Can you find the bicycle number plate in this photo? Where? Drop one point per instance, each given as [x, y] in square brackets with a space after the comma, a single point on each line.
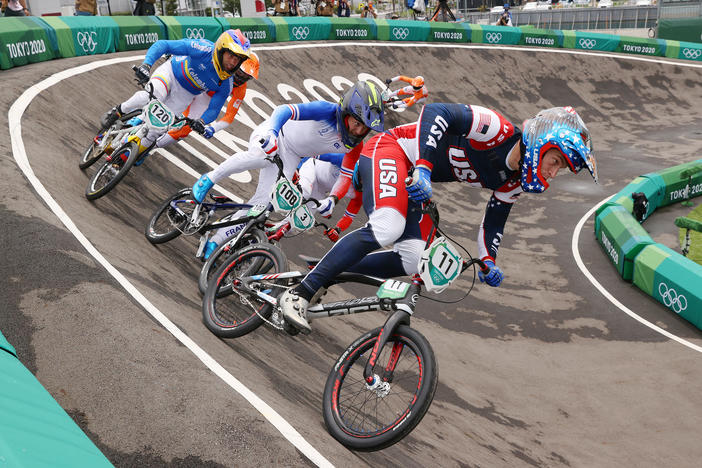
[440, 265]
[256, 210]
[285, 197]
[158, 115]
[392, 289]
[302, 219]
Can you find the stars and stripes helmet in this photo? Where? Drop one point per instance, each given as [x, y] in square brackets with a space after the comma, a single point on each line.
[560, 128]
[363, 102]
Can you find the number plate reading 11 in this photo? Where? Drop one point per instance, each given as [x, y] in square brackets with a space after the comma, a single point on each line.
[440, 265]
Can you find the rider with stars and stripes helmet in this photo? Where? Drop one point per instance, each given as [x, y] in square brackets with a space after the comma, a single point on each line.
[560, 128]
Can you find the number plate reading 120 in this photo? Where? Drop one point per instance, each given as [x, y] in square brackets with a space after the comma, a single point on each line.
[440, 265]
[285, 196]
[159, 116]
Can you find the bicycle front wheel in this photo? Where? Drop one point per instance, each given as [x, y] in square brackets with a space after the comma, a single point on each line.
[366, 418]
[112, 172]
[229, 312]
[224, 251]
[167, 223]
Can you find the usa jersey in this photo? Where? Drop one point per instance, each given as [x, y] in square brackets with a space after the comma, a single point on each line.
[468, 144]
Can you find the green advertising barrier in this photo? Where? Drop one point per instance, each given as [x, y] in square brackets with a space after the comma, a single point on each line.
[683, 50]
[491, 34]
[354, 29]
[138, 32]
[258, 30]
[651, 185]
[192, 27]
[681, 29]
[641, 46]
[84, 35]
[621, 237]
[590, 41]
[301, 29]
[681, 182]
[541, 37]
[449, 32]
[25, 40]
[672, 280]
[402, 30]
[34, 429]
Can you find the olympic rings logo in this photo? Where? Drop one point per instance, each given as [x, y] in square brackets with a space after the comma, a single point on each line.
[691, 53]
[86, 40]
[587, 43]
[493, 38]
[195, 33]
[300, 32]
[400, 33]
[671, 299]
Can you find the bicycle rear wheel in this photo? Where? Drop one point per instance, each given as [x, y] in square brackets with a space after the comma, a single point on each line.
[230, 313]
[92, 153]
[112, 172]
[367, 419]
[166, 223]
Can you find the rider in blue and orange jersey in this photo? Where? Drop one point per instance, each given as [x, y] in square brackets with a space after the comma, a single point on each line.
[449, 142]
[196, 66]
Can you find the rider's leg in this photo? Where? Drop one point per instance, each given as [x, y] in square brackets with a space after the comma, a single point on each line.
[195, 110]
[385, 202]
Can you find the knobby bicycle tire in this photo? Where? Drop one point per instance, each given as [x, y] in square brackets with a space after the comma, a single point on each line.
[223, 312]
[90, 156]
[165, 212]
[390, 416]
[122, 167]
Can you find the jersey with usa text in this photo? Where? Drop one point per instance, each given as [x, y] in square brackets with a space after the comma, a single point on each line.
[194, 71]
[468, 144]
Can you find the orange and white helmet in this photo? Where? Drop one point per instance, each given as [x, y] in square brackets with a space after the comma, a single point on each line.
[417, 82]
[248, 70]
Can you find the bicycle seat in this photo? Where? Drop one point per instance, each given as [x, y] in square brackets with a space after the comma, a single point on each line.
[220, 198]
[311, 261]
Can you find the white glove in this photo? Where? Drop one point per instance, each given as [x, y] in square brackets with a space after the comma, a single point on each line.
[269, 143]
[326, 206]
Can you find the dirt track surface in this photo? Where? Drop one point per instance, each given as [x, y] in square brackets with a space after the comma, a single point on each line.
[544, 371]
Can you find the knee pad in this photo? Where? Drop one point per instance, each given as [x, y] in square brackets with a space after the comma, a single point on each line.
[387, 225]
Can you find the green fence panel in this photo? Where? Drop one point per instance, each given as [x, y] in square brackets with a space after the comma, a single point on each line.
[651, 185]
[683, 50]
[353, 29]
[138, 32]
[25, 40]
[621, 237]
[641, 46]
[448, 32]
[491, 34]
[541, 37]
[681, 182]
[34, 429]
[402, 30]
[672, 280]
[84, 35]
[590, 41]
[681, 29]
[192, 27]
[258, 30]
[302, 29]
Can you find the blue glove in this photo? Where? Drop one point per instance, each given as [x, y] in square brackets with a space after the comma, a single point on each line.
[209, 131]
[419, 189]
[493, 277]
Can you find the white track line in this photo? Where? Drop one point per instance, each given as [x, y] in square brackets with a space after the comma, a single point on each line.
[15, 117]
[606, 294]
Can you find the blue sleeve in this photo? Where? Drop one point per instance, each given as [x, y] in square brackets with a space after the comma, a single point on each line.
[334, 158]
[316, 110]
[216, 104]
[496, 214]
[436, 122]
[179, 47]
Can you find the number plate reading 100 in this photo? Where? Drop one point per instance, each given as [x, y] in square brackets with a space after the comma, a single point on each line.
[286, 196]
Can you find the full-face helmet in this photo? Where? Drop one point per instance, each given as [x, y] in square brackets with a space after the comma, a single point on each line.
[560, 128]
[417, 82]
[236, 43]
[249, 69]
[364, 103]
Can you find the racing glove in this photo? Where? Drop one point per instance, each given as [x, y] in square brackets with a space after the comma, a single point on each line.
[493, 277]
[143, 73]
[209, 131]
[419, 184]
[333, 233]
[326, 206]
[198, 125]
[269, 143]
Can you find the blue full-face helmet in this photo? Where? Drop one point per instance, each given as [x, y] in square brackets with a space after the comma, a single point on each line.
[560, 128]
[364, 103]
